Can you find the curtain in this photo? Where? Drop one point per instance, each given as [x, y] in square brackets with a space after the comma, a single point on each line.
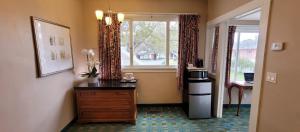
[231, 31]
[188, 44]
[215, 51]
[109, 49]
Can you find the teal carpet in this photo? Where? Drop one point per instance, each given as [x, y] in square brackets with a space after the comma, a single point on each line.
[172, 119]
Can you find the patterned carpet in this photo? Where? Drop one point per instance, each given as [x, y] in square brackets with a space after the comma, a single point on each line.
[172, 119]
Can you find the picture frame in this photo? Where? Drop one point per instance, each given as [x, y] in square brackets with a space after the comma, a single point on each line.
[53, 48]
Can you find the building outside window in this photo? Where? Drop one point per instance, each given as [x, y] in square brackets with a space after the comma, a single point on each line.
[244, 52]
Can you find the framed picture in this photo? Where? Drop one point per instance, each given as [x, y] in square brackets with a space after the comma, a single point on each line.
[53, 48]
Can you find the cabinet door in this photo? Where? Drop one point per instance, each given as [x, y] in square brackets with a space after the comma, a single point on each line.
[199, 106]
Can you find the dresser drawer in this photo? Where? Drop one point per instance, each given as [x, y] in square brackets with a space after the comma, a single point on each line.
[99, 99]
[99, 104]
[108, 114]
[104, 94]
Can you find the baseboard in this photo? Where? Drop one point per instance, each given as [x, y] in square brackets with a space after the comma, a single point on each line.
[72, 122]
[236, 105]
[159, 105]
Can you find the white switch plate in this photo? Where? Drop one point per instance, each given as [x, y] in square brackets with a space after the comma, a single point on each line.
[277, 46]
[271, 77]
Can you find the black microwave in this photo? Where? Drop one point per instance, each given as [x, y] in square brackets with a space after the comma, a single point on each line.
[197, 74]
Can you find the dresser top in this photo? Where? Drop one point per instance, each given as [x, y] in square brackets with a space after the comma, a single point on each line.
[106, 85]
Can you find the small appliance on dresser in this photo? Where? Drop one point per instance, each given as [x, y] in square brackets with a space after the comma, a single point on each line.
[197, 93]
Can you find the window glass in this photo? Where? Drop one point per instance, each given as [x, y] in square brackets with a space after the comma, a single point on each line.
[244, 54]
[173, 41]
[234, 57]
[149, 43]
[125, 41]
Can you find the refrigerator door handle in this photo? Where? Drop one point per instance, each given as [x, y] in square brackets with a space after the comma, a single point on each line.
[202, 94]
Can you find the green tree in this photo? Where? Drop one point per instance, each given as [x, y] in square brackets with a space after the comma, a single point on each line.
[150, 36]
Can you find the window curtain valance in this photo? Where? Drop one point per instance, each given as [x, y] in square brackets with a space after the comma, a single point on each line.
[109, 49]
[188, 44]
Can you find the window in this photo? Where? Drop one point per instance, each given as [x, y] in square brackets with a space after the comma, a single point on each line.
[243, 53]
[149, 42]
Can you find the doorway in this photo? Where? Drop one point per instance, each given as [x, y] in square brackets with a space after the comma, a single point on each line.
[223, 22]
[241, 62]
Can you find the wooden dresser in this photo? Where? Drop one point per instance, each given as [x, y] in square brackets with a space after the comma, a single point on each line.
[107, 101]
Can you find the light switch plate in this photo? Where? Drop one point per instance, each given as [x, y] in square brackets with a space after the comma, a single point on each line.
[271, 77]
[277, 46]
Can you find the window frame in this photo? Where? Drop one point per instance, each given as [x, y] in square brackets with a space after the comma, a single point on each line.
[239, 30]
[158, 18]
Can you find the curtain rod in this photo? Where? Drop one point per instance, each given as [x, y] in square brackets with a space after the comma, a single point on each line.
[148, 13]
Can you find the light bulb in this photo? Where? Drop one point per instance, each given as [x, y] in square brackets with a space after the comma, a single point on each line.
[121, 17]
[99, 14]
[108, 20]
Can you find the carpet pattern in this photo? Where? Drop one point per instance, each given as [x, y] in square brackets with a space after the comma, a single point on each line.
[172, 119]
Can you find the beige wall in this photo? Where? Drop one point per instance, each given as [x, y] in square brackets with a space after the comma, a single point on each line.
[30, 104]
[157, 87]
[163, 82]
[219, 7]
[279, 110]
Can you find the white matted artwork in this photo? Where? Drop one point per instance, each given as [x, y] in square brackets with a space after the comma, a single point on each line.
[52, 46]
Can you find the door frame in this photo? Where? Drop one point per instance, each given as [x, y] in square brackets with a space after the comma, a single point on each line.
[223, 22]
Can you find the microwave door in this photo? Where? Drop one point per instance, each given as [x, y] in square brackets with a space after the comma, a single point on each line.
[195, 74]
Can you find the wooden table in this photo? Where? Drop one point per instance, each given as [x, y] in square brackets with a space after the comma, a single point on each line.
[241, 85]
[106, 101]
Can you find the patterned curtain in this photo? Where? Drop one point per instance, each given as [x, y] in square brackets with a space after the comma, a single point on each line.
[109, 49]
[215, 51]
[188, 44]
[231, 32]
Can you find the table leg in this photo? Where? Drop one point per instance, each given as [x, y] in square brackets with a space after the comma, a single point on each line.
[229, 95]
[241, 93]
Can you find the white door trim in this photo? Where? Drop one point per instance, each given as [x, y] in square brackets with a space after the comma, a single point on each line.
[264, 6]
[223, 37]
[250, 6]
[254, 112]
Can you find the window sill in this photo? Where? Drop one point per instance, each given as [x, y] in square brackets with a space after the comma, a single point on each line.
[149, 69]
